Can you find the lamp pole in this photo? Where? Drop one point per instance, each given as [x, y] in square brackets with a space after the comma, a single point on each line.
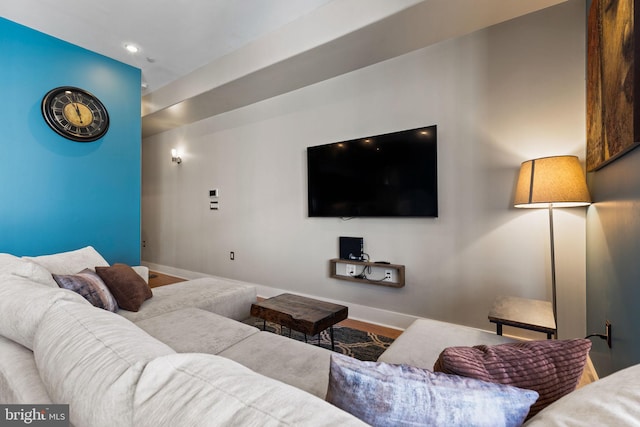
[553, 270]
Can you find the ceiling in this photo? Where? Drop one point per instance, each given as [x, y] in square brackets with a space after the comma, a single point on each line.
[175, 37]
[200, 58]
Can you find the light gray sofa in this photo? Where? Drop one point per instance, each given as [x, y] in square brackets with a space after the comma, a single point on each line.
[57, 348]
[183, 359]
[229, 298]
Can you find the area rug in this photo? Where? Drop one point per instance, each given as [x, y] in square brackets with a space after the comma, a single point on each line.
[361, 345]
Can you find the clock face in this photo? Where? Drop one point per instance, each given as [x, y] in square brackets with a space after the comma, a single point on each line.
[75, 114]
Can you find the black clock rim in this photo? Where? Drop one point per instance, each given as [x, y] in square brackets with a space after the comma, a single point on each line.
[53, 124]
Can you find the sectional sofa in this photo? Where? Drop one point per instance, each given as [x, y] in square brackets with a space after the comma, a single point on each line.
[183, 358]
[58, 348]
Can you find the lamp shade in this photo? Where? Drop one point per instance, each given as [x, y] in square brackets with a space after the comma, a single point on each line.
[557, 181]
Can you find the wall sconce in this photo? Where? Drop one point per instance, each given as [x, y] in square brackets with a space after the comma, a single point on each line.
[174, 156]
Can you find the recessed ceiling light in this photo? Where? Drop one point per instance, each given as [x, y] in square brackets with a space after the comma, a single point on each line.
[131, 48]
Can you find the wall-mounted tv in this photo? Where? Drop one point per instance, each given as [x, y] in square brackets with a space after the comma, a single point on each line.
[390, 175]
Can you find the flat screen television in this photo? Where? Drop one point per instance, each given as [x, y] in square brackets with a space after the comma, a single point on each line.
[390, 175]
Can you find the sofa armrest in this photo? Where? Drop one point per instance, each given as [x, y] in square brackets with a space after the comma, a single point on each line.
[422, 342]
[143, 271]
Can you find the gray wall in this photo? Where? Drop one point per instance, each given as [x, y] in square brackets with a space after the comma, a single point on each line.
[499, 96]
[613, 269]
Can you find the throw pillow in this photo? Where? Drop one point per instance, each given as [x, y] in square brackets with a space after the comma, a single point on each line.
[70, 262]
[28, 269]
[381, 394]
[552, 367]
[129, 289]
[88, 284]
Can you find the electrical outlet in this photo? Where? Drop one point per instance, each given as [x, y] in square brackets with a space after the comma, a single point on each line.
[388, 275]
[607, 326]
[351, 270]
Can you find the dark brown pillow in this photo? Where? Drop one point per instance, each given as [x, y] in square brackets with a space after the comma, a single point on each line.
[552, 367]
[129, 289]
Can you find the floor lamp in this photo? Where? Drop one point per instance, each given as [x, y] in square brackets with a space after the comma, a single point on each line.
[551, 182]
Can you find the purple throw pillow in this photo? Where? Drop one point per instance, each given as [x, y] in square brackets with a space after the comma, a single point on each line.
[551, 367]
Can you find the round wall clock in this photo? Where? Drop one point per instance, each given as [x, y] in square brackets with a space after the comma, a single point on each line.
[75, 114]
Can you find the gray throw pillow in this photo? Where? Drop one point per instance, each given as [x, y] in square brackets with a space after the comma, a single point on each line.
[381, 394]
[88, 284]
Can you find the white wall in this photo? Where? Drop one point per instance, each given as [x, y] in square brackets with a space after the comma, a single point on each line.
[499, 96]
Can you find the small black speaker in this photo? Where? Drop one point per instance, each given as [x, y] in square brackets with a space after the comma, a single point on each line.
[351, 248]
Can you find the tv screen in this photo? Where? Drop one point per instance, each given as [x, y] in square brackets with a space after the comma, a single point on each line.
[390, 175]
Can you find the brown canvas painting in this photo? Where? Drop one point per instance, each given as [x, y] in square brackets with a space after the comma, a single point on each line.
[612, 115]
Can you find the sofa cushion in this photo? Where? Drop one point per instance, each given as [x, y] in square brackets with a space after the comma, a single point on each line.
[551, 367]
[226, 297]
[19, 378]
[88, 284]
[387, 395]
[610, 401]
[423, 341]
[92, 360]
[192, 330]
[293, 362]
[23, 303]
[129, 289]
[70, 262]
[10, 264]
[204, 390]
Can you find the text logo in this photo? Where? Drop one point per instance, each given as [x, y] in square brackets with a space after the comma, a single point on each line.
[34, 415]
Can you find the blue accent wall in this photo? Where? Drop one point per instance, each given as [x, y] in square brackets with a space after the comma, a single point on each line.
[57, 194]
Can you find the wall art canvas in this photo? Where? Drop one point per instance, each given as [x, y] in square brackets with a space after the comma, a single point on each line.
[613, 117]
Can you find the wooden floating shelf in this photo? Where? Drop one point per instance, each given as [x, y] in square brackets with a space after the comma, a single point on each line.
[399, 283]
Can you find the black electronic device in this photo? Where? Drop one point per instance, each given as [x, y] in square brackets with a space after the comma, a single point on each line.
[390, 175]
[351, 248]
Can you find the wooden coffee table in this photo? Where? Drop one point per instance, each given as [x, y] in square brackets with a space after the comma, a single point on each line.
[302, 314]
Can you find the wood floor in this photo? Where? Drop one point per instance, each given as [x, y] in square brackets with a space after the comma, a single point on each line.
[158, 279]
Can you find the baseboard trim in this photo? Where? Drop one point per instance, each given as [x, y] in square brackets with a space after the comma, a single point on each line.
[376, 316]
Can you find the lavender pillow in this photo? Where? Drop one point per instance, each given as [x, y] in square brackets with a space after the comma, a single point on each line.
[88, 284]
[381, 394]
